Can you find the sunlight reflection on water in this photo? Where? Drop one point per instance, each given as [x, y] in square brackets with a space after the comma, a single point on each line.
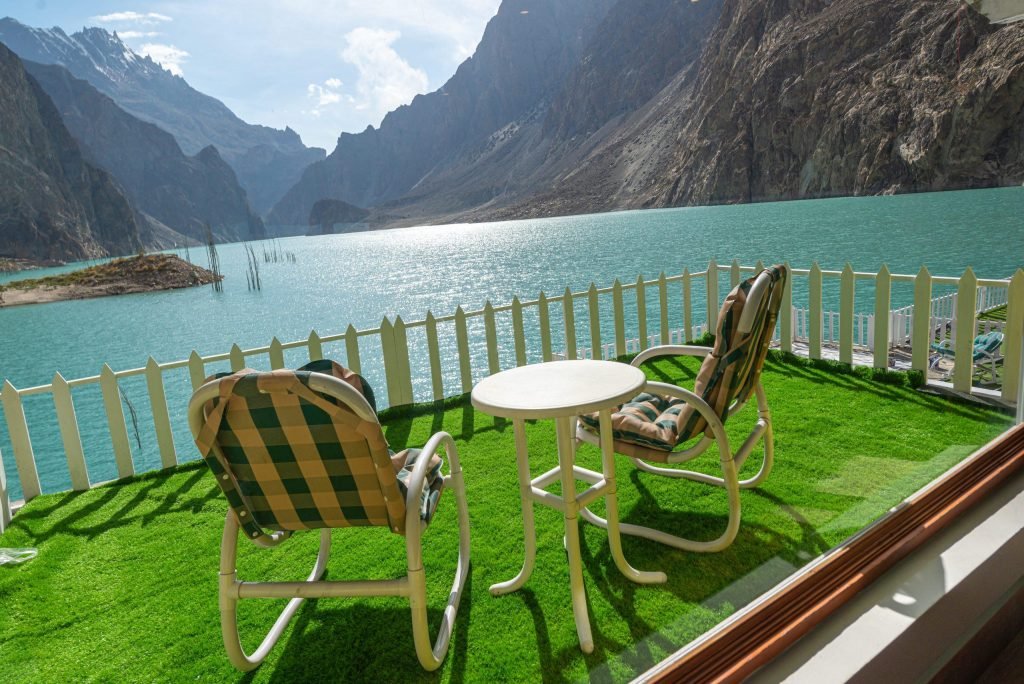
[359, 278]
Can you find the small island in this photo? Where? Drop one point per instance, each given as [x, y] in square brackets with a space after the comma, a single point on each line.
[143, 273]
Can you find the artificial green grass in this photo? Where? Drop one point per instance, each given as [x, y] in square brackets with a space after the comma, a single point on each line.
[996, 314]
[125, 585]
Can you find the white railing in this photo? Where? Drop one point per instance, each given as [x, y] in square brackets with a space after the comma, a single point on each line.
[942, 321]
[942, 312]
[458, 349]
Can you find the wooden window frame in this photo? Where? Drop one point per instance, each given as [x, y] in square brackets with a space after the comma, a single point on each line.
[757, 634]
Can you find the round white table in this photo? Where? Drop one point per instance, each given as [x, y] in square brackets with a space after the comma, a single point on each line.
[562, 390]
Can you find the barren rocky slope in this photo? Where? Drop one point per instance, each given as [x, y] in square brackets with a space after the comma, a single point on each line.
[639, 48]
[807, 98]
[53, 204]
[184, 193]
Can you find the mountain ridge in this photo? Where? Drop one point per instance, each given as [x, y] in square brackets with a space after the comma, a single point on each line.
[267, 161]
[185, 193]
[53, 204]
[526, 50]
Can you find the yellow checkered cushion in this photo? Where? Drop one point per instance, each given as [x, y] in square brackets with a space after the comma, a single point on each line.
[289, 458]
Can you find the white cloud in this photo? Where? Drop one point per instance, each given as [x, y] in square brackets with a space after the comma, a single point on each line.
[386, 81]
[170, 57]
[131, 35]
[133, 17]
[261, 67]
[324, 95]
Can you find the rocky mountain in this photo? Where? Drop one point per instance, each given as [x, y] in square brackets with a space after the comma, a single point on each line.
[629, 61]
[53, 204]
[632, 55]
[523, 58]
[653, 103]
[267, 161]
[810, 98]
[328, 213]
[183, 193]
[851, 97]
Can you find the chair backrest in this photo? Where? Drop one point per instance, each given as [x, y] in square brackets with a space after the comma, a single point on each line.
[296, 450]
[986, 345]
[746, 323]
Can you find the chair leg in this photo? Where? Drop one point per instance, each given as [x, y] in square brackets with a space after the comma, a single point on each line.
[762, 431]
[229, 598]
[432, 655]
[731, 484]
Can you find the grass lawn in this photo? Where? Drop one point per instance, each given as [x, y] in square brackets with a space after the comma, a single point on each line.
[125, 584]
[996, 314]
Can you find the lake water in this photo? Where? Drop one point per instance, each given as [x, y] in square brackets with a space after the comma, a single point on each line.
[360, 278]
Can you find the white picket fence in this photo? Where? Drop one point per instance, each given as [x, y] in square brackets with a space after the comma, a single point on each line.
[453, 359]
[942, 320]
[942, 313]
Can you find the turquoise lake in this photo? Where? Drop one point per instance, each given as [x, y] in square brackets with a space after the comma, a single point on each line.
[359, 278]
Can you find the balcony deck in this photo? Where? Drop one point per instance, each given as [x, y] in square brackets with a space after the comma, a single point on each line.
[125, 584]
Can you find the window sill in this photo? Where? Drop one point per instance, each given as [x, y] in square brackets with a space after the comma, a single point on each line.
[910, 621]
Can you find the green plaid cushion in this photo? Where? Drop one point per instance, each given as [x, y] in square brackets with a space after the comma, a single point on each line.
[287, 458]
[631, 420]
[650, 426]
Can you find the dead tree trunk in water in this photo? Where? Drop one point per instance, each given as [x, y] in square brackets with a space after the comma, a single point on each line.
[211, 253]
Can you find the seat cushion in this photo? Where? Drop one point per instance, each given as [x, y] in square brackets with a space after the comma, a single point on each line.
[649, 420]
[404, 462]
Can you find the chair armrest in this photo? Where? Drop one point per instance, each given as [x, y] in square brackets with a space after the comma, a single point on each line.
[703, 408]
[413, 523]
[419, 472]
[670, 350]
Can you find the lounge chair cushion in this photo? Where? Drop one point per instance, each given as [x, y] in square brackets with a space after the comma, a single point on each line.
[648, 420]
[651, 426]
[984, 348]
[290, 458]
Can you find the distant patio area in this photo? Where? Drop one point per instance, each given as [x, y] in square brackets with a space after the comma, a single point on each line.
[125, 584]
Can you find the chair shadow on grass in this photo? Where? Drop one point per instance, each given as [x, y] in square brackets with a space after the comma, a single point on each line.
[849, 381]
[398, 430]
[343, 639]
[181, 499]
[696, 578]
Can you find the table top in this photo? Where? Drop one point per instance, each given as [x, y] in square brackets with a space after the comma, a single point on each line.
[557, 388]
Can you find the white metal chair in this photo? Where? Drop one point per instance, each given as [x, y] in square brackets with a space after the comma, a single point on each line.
[304, 450]
[985, 355]
[665, 416]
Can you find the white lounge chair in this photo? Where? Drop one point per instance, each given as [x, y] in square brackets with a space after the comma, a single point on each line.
[298, 450]
[649, 428]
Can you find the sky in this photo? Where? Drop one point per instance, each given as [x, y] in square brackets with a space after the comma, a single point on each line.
[319, 66]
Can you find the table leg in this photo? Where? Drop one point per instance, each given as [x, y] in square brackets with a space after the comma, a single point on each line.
[565, 430]
[612, 505]
[530, 532]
